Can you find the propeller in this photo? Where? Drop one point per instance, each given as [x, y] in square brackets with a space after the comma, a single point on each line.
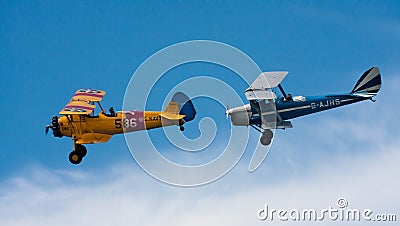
[227, 112]
[47, 129]
[54, 127]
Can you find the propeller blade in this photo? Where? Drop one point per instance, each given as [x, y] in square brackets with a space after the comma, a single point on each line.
[47, 129]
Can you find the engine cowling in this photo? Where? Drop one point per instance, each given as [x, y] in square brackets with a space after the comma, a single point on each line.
[240, 116]
[55, 127]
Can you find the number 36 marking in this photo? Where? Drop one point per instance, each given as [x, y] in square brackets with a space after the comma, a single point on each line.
[127, 123]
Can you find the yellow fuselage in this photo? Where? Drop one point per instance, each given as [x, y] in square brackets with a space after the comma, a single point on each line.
[94, 129]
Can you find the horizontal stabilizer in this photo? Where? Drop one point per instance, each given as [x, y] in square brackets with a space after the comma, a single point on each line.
[171, 116]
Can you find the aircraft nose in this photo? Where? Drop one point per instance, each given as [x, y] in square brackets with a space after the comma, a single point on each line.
[228, 112]
[55, 127]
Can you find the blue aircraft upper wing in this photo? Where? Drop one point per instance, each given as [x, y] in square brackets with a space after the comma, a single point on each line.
[267, 80]
[260, 91]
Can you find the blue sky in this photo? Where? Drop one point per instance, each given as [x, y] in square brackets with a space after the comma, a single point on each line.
[50, 49]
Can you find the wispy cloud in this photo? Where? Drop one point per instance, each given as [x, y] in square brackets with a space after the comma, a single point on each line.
[124, 195]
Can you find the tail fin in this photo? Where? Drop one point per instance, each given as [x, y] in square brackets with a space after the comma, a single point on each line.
[185, 106]
[369, 84]
[171, 112]
[172, 108]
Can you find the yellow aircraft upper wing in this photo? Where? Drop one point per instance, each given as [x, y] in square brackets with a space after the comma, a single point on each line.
[91, 95]
[80, 102]
[75, 107]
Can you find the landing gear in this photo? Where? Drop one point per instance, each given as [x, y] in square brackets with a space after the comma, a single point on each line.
[182, 128]
[76, 156]
[82, 151]
[266, 138]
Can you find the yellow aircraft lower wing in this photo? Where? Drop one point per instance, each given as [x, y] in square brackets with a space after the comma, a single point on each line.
[93, 138]
[77, 108]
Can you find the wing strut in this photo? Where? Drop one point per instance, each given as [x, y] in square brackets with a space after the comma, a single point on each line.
[259, 130]
[282, 91]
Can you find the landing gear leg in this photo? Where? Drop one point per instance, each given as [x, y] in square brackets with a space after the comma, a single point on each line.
[266, 138]
[181, 122]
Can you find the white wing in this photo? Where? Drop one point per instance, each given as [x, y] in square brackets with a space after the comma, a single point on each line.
[267, 80]
[260, 91]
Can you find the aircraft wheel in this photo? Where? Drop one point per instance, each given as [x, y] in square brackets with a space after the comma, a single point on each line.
[82, 151]
[182, 128]
[75, 158]
[266, 138]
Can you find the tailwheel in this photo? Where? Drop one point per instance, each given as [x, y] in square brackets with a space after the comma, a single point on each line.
[266, 138]
[75, 157]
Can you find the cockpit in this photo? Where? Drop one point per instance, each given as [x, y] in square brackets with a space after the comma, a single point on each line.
[289, 98]
[111, 112]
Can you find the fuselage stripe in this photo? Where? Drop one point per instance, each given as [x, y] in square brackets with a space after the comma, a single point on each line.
[77, 106]
[89, 94]
[341, 101]
[284, 110]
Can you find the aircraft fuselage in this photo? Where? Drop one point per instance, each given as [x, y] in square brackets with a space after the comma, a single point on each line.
[122, 122]
[246, 115]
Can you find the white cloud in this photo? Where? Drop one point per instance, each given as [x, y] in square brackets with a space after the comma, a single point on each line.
[127, 196]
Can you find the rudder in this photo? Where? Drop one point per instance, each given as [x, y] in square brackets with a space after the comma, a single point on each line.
[369, 83]
[186, 106]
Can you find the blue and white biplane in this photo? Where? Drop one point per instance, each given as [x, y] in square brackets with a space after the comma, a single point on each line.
[266, 111]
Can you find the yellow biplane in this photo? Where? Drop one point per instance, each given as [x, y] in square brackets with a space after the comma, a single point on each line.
[79, 121]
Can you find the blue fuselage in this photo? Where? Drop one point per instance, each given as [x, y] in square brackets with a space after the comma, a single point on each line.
[309, 105]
